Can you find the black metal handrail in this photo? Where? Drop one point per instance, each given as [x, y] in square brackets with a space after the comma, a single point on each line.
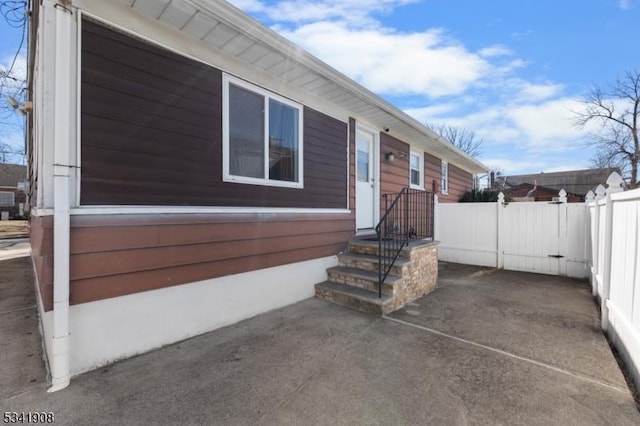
[408, 215]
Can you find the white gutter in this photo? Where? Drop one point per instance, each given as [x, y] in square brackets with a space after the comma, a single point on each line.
[59, 360]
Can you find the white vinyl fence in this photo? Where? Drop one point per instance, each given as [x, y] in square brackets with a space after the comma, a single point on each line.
[542, 237]
[615, 266]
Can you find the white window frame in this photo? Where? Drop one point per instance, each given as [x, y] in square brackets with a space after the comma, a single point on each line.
[420, 156]
[226, 175]
[444, 178]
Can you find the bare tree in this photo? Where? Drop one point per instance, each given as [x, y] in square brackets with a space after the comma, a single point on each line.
[463, 139]
[616, 109]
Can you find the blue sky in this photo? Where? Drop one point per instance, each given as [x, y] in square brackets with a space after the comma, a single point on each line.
[512, 71]
[11, 123]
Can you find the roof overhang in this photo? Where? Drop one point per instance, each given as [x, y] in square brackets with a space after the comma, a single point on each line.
[230, 32]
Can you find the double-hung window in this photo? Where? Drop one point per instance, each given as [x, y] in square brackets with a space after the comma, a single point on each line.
[262, 136]
[416, 170]
[444, 178]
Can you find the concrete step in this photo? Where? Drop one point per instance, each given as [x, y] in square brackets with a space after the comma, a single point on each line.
[354, 297]
[370, 263]
[367, 280]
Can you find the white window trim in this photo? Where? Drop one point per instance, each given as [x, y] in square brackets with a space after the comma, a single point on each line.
[420, 155]
[444, 178]
[226, 175]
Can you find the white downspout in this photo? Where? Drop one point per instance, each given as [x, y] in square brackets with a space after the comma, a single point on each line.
[59, 362]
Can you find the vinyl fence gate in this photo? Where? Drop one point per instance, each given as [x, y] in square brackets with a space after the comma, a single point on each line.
[542, 237]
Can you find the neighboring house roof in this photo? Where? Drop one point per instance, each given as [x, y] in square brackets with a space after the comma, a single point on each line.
[537, 193]
[575, 181]
[11, 174]
[233, 33]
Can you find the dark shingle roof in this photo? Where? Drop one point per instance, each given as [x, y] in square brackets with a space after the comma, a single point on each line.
[11, 174]
[575, 181]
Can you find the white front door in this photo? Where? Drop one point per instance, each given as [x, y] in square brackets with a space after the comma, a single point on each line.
[365, 179]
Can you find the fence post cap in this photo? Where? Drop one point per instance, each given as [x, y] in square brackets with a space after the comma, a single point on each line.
[614, 183]
[563, 196]
[500, 198]
[590, 196]
[600, 192]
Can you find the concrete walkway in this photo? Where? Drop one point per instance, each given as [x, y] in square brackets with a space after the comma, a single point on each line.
[486, 347]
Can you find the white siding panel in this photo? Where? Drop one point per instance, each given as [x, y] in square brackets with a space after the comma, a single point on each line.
[468, 233]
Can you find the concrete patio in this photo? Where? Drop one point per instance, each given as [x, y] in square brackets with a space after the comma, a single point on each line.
[486, 347]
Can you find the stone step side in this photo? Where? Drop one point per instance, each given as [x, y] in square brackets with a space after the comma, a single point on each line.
[370, 263]
[354, 297]
[371, 248]
[367, 280]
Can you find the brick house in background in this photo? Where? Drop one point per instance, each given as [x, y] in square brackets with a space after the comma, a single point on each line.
[575, 182]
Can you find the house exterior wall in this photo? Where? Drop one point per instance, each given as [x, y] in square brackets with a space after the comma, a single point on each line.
[133, 153]
[394, 175]
[158, 118]
[459, 183]
[432, 173]
[160, 247]
[41, 238]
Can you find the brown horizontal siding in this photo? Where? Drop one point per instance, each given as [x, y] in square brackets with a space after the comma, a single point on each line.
[41, 237]
[432, 167]
[124, 254]
[156, 118]
[460, 182]
[92, 289]
[394, 175]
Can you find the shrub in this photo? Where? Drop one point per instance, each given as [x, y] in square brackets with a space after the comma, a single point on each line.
[482, 196]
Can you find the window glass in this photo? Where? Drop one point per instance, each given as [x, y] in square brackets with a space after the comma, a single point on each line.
[283, 142]
[262, 136]
[246, 133]
[362, 159]
[416, 175]
[444, 173]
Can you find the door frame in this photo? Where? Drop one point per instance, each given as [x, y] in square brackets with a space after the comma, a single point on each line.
[376, 174]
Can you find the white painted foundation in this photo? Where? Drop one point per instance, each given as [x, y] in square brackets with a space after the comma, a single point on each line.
[120, 327]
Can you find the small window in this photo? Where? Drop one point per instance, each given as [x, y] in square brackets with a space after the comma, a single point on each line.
[444, 176]
[262, 136]
[416, 167]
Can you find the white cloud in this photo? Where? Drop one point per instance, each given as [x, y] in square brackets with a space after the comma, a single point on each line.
[495, 50]
[358, 12]
[512, 166]
[389, 62]
[546, 122]
[527, 125]
[19, 70]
